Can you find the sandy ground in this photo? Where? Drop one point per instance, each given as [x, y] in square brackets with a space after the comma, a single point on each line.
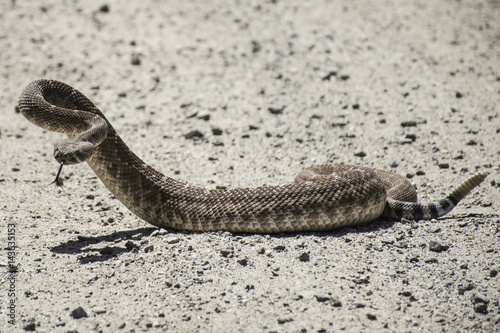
[340, 77]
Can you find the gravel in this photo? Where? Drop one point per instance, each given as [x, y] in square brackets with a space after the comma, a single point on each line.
[271, 87]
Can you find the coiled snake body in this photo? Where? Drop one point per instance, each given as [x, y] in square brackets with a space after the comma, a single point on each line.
[322, 197]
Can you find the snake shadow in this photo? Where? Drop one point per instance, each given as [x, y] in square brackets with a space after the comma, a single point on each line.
[92, 249]
[85, 246]
[87, 253]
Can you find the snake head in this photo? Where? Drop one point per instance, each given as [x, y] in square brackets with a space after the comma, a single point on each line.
[71, 152]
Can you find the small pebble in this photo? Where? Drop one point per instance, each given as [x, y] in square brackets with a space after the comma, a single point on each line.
[389, 241]
[194, 135]
[304, 257]
[137, 236]
[218, 143]
[282, 321]
[280, 248]
[216, 131]
[328, 73]
[173, 240]
[361, 281]
[471, 143]
[109, 273]
[135, 59]
[276, 109]
[322, 298]
[336, 302]
[431, 260]
[409, 123]
[149, 248]
[480, 298]
[99, 310]
[162, 232]
[360, 154]
[203, 115]
[104, 8]
[78, 313]
[463, 288]
[227, 253]
[437, 247]
[159, 232]
[411, 137]
[131, 245]
[31, 327]
[481, 308]
[256, 47]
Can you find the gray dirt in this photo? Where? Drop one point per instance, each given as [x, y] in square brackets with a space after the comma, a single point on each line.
[247, 93]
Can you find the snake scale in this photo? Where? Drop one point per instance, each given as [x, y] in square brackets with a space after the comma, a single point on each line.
[322, 197]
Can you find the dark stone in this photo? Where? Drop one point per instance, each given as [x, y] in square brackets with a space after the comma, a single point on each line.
[131, 245]
[195, 134]
[104, 8]
[437, 247]
[216, 131]
[78, 313]
[135, 59]
[304, 257]
[462, 289]
[322, 298]
[480, 298]
[412, 137]
[280, 248]
[481, 308]
[409, 123]
[31, 327]
[282, 321]
[227, 253]
[276, 109]
[360, 154]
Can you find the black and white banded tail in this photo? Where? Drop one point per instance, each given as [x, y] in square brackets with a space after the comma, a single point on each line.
[418, 211]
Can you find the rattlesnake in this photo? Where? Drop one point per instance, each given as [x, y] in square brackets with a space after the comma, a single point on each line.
[321, 198]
